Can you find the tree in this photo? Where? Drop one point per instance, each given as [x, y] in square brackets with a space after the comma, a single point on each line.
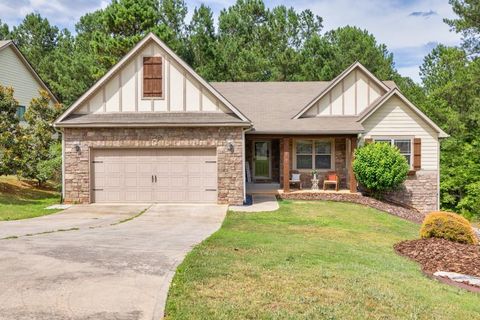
[4, 31]
[36, 38]
[468, 23]
[38, 136]
[201, 42]
[50, 169]
[242, 37]
[349, 44]
[380, 167]
[452, 85]
[9, 130]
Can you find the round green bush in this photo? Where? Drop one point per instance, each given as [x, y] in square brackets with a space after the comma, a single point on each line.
[380, 167]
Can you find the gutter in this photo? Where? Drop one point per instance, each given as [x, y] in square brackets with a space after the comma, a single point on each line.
[148, 125]
[291, 132]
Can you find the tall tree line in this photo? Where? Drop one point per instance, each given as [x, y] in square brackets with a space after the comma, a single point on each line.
[251, 42]
[451, 87]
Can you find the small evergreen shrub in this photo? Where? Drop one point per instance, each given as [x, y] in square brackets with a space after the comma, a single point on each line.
[449, 226]
[380, 167]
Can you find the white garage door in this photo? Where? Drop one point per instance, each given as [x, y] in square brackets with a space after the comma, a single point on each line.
[154, 175]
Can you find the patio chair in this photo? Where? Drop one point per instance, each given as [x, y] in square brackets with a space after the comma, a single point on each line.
[331, 179]
[295, 179]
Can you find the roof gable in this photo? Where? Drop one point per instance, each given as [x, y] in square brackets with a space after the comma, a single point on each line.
[10, 44]
[396, 93]
[189, 86]
[322, 103]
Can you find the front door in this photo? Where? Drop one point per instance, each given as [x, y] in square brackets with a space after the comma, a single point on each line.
[261, 159]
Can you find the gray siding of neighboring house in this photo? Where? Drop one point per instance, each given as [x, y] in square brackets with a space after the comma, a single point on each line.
[14, 73]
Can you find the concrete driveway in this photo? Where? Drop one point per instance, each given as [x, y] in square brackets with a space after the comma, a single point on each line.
[75, 217]
[118, 271]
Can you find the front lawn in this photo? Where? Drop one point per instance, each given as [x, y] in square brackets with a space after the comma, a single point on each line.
[311, 260]
[22, 200]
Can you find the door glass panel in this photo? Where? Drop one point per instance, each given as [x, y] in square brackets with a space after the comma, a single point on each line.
[262, 159]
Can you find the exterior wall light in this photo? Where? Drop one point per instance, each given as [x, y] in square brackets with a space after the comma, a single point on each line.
[230, 146]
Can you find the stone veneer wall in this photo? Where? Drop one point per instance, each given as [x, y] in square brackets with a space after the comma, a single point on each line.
[77, 165]
[419, 191]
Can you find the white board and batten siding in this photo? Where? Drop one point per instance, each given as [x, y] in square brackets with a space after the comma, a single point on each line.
[14, 73]
[395, 119]
[123, 92]
[349, 97]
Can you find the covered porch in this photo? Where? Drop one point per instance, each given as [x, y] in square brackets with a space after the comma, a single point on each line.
[271, 160]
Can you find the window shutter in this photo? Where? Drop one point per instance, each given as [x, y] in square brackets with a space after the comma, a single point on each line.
[368, 140]
[417, 154]
[152, 77]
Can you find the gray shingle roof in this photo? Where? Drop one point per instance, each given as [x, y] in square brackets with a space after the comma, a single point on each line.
[152, 118]
[4, 43]
[272, 105]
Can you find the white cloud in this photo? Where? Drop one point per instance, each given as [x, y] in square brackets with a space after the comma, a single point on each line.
[63, 13]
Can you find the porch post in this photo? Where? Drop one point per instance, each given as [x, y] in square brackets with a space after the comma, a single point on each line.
[286, 164]
[353, 180]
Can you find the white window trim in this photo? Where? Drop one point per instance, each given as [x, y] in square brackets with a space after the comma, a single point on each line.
[145, 55]
[391, 138]
[332, 157]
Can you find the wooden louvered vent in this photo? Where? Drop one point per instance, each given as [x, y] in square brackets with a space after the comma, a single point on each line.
[152, 77]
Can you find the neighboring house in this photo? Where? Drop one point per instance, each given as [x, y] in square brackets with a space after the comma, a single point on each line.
[152, 130]
[16, 72]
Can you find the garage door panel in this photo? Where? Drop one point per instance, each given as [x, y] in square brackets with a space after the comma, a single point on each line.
[183, 175]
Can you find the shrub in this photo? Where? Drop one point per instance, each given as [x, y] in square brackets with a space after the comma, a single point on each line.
[449, 226]
[380, 167]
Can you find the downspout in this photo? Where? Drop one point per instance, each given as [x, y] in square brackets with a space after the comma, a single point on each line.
[244, 159]
[63, 166]
[438, 175]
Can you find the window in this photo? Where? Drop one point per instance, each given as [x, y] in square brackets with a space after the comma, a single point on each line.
[404, 145]
[21, 113]
[152, 77]
[313, 154]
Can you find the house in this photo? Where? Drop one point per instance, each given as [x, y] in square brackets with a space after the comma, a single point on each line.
[152, 130]
[16, 72]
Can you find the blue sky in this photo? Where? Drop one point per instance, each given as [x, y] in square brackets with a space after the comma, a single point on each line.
[409, 28]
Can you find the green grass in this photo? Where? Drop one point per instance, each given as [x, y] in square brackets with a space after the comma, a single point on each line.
[311, 260]
[22, 200]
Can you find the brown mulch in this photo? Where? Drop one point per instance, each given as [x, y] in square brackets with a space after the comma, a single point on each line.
[442, 255]
[402, 212]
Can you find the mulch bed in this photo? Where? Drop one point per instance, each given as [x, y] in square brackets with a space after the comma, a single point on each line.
[442, 255]
[405, 213]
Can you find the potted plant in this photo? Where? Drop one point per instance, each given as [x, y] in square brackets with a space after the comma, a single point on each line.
[314, 174]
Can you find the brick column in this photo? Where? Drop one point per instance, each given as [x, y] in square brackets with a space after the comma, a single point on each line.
[286, 164]
[353, 180]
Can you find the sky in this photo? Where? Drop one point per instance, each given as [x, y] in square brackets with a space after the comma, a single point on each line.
[409, 28]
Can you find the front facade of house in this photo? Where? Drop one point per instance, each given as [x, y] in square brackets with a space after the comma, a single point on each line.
[16, 72]
[152, 130]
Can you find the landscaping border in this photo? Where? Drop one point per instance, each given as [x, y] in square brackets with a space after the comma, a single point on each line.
[402, 212]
